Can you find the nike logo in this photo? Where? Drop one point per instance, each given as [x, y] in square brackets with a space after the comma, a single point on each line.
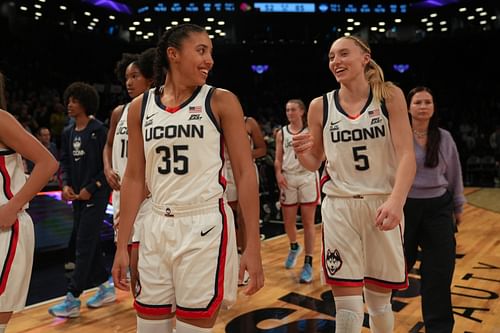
[149, 116]
[204, 233]
[89, 205]
[335, 123]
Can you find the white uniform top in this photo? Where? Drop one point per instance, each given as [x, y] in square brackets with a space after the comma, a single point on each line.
[18, 241]
[291, 164]
[226, 152]
[12, 174]
[359, 152]
[120, 144]
[184, 150]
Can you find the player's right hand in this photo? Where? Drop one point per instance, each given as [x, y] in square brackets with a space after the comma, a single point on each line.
[281, 180]
[9, 216]
[302, 142]
[252, 262]
[112, 178]
[68, 193]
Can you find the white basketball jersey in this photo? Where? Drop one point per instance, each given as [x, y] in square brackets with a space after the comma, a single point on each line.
[226, 154]
[184, 150]
[359, 152]
[120, 144]
[290, 162]
[12, 171]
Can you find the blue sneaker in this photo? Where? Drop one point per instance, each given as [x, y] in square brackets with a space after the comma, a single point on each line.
[291, 260]
[69, 308]
[306, 275]
[105, 294]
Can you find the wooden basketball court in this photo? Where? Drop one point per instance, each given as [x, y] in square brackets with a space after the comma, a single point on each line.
[284, 305]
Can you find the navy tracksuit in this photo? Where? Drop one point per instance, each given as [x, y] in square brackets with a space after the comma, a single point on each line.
[82, 167]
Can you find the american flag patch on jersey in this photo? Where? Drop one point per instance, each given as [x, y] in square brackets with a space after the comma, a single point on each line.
[195, 109]
[373, 113]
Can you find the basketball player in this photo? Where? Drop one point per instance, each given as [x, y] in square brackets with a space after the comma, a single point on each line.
[177, 132]
[298, 187]
[17, 237]
[364, 131]
[136, 72]
[85, 185]
[259, 149]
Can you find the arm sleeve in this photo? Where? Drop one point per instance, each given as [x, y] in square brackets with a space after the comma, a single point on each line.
[454, 175]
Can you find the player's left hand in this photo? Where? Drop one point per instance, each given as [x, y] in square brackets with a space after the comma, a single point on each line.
[84, 194]
[389, 215]
[120, 269]
[252, 263]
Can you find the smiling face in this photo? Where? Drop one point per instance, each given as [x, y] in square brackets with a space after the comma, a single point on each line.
[193, 60]
[421, 106]
[347, 59]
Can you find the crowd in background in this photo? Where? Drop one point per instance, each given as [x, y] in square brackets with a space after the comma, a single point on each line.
[468, 100]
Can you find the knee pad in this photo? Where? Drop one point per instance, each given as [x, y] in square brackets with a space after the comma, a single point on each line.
[349, 314]
[380, 310]
[153, 326]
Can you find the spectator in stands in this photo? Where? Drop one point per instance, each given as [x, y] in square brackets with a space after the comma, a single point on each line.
[495, 145]
[58, 120]
[44, 136]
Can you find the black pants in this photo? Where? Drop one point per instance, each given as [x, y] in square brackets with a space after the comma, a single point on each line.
[429, 224]
[89, 264]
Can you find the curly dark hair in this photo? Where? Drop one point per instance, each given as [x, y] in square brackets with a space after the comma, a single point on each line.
[146, 63]
[86, 95]
[171, 38]
[122, 64]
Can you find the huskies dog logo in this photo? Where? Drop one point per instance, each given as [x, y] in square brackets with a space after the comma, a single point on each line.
[333, 262]
[78, 152]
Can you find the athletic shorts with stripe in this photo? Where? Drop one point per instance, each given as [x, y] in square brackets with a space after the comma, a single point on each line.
[188, 261]
[354, 251]
[16, 254]
[303, 188]
[143, 213]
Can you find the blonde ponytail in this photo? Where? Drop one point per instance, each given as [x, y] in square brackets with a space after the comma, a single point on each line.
[375, 77]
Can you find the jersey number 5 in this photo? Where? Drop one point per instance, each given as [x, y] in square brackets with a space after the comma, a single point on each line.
[173, 156]
[361, 158]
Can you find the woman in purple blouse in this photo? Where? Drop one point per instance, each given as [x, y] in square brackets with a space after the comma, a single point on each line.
[432, 210]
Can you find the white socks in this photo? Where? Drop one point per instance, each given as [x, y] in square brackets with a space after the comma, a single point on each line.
[380, 310]
[182, 327]
[153, 326]
[349, 314]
